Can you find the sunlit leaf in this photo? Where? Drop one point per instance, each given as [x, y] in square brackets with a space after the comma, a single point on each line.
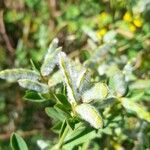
[90, 114]
[50, 59]
[98, 92]
[33, 85]
[83, 81]
[117, 84]
[140, 84]
[69, 78]
[79, 136]
[16, 74]
[135, 108]
[55, 79]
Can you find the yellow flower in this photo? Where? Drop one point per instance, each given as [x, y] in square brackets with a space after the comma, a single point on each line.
[100, 33]
[138, 22]
[104, 15]
[132, 28]
[127, 17]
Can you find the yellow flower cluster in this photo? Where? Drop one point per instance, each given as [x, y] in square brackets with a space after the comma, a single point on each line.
[103, 20]
[133, 22]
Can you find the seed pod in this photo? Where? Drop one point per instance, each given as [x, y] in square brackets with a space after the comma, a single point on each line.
[90, 114]
[98, 92]
[13, 75]
[33, 85]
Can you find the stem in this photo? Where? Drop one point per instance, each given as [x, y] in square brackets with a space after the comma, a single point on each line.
[61, 140]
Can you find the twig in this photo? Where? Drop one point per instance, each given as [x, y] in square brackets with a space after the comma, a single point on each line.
[4, 34]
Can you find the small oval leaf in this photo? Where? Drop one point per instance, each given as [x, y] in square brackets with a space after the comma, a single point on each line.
[117, 84]
[17, 142]
[16, 74]
[90, 114]
[83, 81]
[33, 85]
[98, 92]
[49, 62]
[50, 58]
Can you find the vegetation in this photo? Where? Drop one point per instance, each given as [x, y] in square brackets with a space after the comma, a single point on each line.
[88, 89]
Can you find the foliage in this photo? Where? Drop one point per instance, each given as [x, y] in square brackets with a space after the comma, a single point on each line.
[94, 89]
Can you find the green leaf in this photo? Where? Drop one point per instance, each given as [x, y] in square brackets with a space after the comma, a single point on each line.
[33, 96]
[64, 124]
[17, 142]
[50, 59]
[117, 84]
[98, 92]
[69, 77]
[56, 127]
[35, 66]
[63, 100]
[72, 122]
[140, 84]
[79, 136]
[62, 109]
[34, 85]
[13, 75]
[135, 108]
[90, 115]
[52, 112]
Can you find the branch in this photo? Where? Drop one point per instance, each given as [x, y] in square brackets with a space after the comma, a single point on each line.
[4, 34]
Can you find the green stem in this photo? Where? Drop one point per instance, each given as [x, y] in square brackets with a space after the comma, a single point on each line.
[61, 140]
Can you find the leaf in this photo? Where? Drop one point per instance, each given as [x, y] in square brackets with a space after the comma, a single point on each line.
[90, 114]
[35, 66]
[52, 47]
[62, 109]
[68, 75]
[135, 108]
[79, 136]
[99, 54]
[56, 127]
[72, 122]
[52, 112]
[117, 84]
[17, 142]
[83, 81]
[63, 100]
[55, 79]
[49, 63]
[34, 85]
[98, 92]
[50, 59]
[63, 127]
[16, 74]
[140, 84]
[33, 96]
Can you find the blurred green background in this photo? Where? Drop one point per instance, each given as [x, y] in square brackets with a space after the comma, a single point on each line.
[28, 26]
